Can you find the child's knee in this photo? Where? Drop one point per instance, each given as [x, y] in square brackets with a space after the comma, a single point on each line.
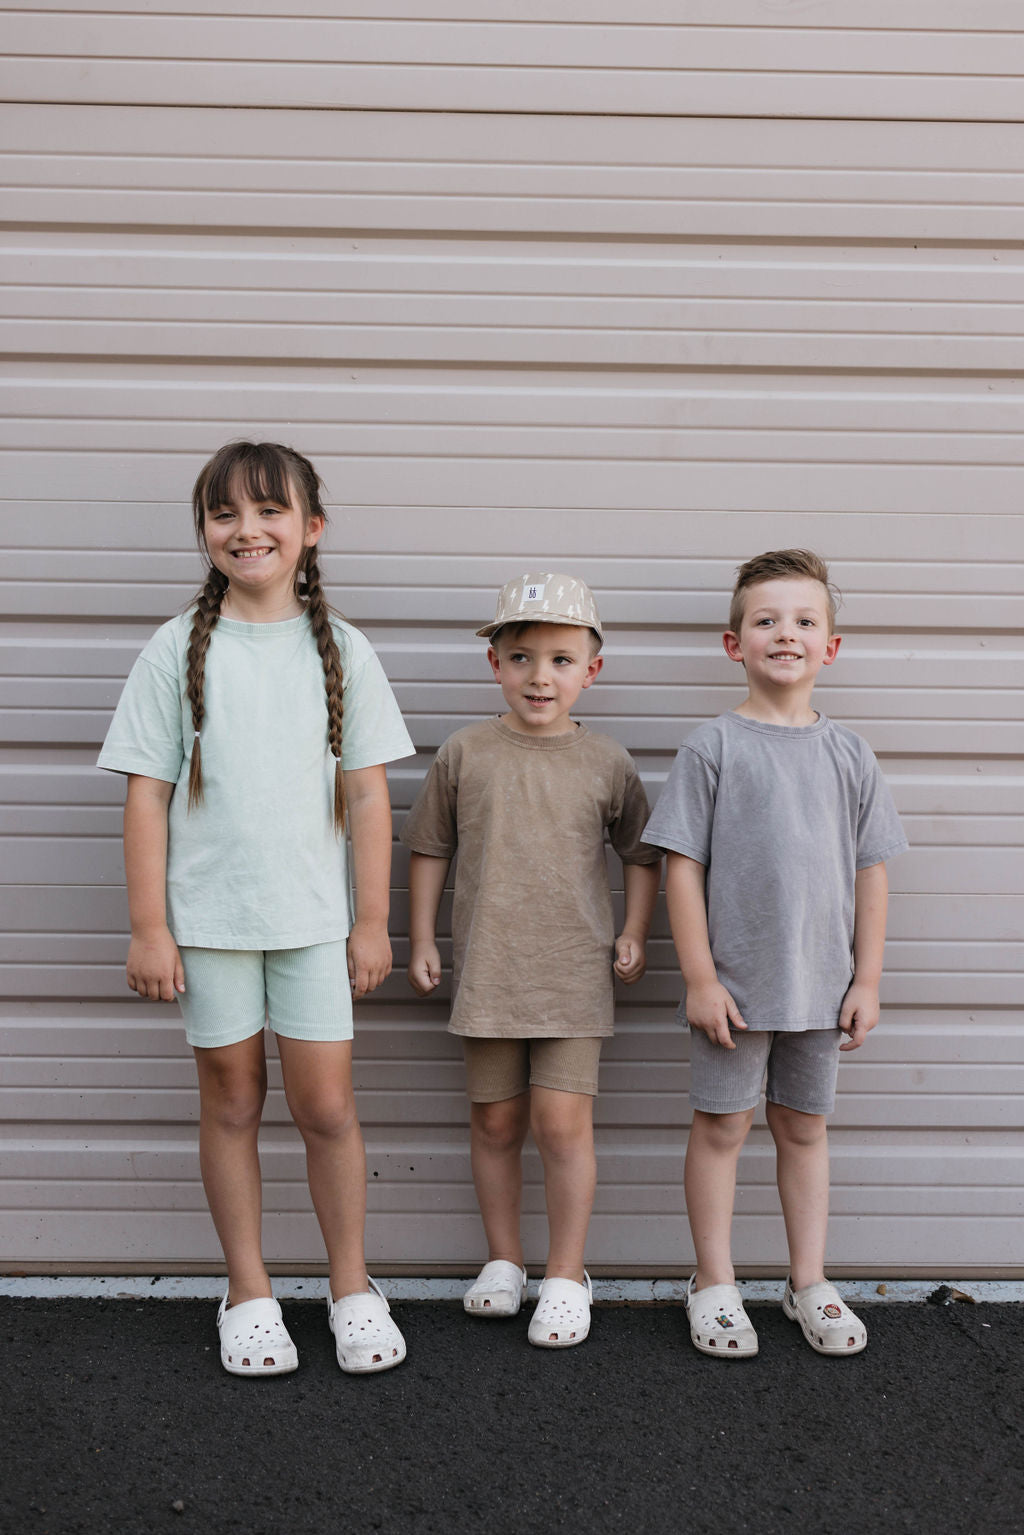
[562, 1123]
[327, 1114]
[501, 1126]
[722, 1132]
[235, 1099]
[795, 1127]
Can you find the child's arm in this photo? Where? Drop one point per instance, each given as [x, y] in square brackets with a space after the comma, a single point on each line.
[154, 967]
[860, 1009]
[369, 821]
[641, 881]
[709, 1007]
[426, 884]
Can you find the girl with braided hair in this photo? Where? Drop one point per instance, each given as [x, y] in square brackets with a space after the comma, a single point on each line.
[254, 730]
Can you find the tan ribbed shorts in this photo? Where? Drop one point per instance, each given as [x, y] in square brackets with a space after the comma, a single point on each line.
[497, 1069]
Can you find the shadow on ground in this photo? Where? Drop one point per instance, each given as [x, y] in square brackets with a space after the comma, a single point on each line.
[119, 1418]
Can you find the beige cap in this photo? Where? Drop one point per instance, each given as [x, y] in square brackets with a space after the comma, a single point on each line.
[545, 599]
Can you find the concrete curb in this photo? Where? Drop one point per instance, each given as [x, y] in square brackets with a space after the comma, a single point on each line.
[638, 1291]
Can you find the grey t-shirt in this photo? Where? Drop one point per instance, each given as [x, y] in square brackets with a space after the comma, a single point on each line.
[782, 817]
[257, 865]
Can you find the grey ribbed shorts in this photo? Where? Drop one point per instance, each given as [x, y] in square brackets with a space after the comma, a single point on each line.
[798, 1070]
[231, 993]
[497, 1069]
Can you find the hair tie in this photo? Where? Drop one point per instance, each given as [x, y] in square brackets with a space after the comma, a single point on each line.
[197, 735]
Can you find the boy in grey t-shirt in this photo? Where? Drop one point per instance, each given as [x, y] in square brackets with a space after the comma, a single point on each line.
[777, 823]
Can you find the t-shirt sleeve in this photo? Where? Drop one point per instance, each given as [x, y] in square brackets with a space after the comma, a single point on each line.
[373, 730]
[145, 735]
[880, 834]
[431, 827]
[626, 831]
[683, 816]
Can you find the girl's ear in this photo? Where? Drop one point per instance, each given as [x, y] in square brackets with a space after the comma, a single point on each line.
[314, 530]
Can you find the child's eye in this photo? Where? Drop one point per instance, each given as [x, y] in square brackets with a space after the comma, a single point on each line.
[808, 621]
[517, 656]
[221, 516]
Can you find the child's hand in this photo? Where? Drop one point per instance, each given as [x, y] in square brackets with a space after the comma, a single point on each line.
[424, 968]
[369, 956]
[154, 969]
[858, 1014]
[711, 1009]
[630, 958]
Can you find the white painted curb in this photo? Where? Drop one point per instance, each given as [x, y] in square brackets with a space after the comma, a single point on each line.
[184, 1287]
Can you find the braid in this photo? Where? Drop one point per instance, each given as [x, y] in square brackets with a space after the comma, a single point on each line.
[207, 613]
[320, 622]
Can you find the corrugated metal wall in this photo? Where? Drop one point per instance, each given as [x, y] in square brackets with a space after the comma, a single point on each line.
[636, 298]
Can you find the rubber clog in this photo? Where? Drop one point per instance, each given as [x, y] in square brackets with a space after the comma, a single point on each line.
[826, 1321]
[718, 1323]
[254, 1339]
[498, 1290]
[365, 1336]
[562, 1317]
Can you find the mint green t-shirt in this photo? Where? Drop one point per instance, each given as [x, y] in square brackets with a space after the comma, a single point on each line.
[258, 864]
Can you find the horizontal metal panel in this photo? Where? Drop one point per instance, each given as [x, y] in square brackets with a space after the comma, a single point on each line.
[678, 178]
[471, 65]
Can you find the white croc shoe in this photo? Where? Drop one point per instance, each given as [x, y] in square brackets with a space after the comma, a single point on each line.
[498, 1290]
[718, 1323]
[826, 1321]
[365, 1336]
[254, 1339]
[562, 1317]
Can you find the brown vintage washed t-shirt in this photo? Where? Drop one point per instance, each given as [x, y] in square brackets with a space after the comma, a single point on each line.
[532, 921]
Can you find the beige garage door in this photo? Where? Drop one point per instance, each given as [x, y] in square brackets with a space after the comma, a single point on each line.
[531, 285]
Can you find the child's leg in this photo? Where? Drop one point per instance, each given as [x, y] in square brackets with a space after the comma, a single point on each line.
[712, 1153]
[802, 1070]
[318, 1086]
[801, 1145]
[563, 1127]
[232, 1089]
[497, 1132]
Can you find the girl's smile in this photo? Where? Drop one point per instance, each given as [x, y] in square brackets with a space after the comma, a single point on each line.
[258, 546]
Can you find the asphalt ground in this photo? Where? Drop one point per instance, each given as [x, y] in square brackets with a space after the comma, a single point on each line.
[118, 1418]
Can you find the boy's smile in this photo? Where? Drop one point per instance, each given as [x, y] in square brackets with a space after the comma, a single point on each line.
[542, 673]
[783, 643]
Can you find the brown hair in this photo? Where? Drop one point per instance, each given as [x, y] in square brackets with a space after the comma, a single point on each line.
[265, 471]
[515, 630]
[781, 564]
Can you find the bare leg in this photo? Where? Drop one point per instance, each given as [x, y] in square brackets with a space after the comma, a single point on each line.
[563, 1127]
[712, 1153]
[801, 1146]
[318, 1086]
[497, 1133]
[232, 1089]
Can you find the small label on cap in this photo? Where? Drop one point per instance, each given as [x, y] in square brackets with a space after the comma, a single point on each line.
[533, 593]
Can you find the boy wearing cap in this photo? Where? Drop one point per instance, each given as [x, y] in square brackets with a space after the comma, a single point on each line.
[526, 798]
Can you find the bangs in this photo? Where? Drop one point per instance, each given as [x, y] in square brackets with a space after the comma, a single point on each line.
[257, 470]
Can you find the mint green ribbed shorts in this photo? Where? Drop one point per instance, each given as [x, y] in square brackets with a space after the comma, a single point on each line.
[230, 994]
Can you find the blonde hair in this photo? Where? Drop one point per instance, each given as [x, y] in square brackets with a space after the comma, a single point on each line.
[265, 471]
[781, 564]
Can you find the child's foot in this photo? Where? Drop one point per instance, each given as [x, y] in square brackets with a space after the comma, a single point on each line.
[498, 1290]
[562, 1317]
[254, 1339]
[718, 1323]
[826, 1321]
[365, 1337]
